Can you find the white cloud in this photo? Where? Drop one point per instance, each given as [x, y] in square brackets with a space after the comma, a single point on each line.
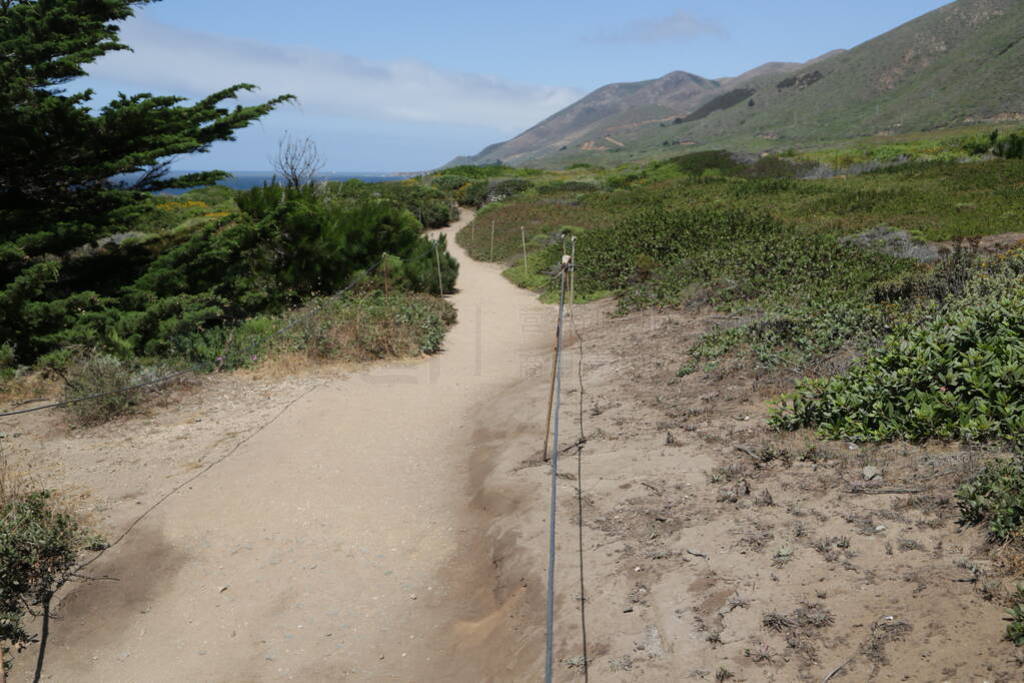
[168, 58]
[678, 26]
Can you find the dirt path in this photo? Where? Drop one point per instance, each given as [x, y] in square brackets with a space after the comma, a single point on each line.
[391, 523]
[330, 546]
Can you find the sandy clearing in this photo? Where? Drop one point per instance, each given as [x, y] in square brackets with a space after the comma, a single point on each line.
[337, 544]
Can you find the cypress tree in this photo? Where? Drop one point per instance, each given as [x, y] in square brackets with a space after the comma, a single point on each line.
[63, 164]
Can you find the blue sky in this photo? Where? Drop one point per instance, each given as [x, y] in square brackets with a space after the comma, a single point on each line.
[405, 86]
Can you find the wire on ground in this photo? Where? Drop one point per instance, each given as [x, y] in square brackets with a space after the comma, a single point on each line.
[567, 272]
[579, 461]
[557, 388]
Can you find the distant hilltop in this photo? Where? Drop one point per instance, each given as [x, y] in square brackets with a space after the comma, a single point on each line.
[962, 63]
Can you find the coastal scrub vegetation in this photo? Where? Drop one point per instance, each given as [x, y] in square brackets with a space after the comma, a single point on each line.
[94, 259]
[956, 372]
[870, 255]
[111, 276]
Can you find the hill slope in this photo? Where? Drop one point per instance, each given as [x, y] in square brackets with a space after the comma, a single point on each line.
[961, 63]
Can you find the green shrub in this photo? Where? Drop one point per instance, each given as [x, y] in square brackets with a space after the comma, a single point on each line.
[568, 186]
[697, 163]
[429, 205]
[263, 201]
[508, 188]
[995, 497]
[105, 377]
[1010, 147]
[8, 368]
[39, 549]
[808, 294]
[365, 327]
[769, 167]
[450, 183]
[486, 171]
[473, 194]
[308, 242]
[477, 172]
[957, 374]
[1015, 615]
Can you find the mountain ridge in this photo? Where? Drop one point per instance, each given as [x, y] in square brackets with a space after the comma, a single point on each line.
[960, 63]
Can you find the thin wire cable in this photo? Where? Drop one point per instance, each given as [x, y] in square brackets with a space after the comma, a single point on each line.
[551, 389]
[191, 479]
[579, 462]
[91, 397]
[550, 644]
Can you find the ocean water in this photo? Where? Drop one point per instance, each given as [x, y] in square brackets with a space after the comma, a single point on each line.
[244, 180]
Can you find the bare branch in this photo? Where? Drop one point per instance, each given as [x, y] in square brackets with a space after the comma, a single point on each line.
[298, 161]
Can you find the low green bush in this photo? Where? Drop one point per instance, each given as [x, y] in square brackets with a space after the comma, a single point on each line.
[486, 171]
[40, 544]
[567, 186]
[1015, 615]
[697, 163]
[105, 377]
[365, 327]
[100, 386]
[450, 183]
[473, 194]
[1009, 147]
[995, 497]
[505, 189]
[957, 373]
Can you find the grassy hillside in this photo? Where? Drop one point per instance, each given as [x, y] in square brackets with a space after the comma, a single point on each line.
[957, 65]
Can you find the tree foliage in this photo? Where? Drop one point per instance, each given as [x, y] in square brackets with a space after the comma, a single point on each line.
[62, 180]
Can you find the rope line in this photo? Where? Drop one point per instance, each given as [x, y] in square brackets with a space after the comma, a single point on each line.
[550, 642]
[198, 474]
[579, 462]
[91, 397]
[195, 367]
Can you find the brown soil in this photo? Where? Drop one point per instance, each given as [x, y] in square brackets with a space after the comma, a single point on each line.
[712, 545]
[391, 524]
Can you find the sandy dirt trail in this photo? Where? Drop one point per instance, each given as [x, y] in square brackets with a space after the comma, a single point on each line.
[336, 544]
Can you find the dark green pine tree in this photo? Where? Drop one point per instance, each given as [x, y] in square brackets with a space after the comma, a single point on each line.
[61, 161]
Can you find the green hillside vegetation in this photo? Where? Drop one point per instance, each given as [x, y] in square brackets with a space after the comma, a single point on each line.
[169, 289]
[804, 269]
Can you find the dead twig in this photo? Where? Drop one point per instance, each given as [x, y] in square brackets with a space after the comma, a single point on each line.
[878, 492]
[652, 487]
[836, 670]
